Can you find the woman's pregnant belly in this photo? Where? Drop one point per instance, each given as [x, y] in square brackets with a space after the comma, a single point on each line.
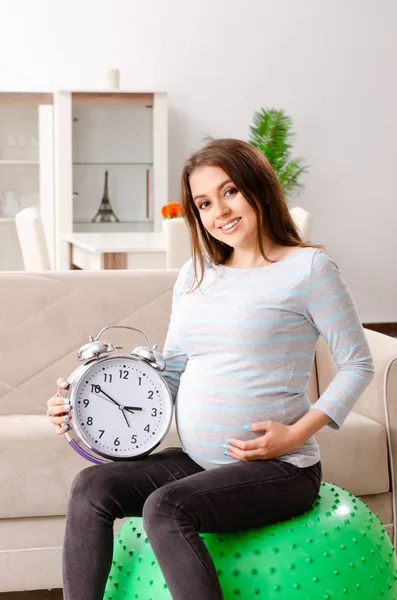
[209, 411]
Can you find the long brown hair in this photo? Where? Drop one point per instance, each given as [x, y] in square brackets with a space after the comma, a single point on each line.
[257, 181]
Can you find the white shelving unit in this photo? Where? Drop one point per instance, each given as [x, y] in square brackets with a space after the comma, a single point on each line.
[55, 148]
[124, 133]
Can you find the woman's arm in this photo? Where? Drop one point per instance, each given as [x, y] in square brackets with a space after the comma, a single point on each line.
[277, 438]
[175, 358]
[331, 310]
[308, 425]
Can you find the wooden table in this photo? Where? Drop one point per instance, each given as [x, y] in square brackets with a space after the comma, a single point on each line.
[98, 251]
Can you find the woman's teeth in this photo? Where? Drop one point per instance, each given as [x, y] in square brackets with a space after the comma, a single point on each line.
[230, 225]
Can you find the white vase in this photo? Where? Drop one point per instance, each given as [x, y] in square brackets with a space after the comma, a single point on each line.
[165, 226]
[171, 225]
[177, 242]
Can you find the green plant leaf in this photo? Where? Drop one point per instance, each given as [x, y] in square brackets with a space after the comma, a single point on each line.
[289, 176]
[272, 134]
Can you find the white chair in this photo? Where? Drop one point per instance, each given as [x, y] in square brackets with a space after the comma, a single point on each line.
[32, 240]
[303, 221]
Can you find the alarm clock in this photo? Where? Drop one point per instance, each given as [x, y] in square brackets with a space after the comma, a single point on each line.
[121, 406]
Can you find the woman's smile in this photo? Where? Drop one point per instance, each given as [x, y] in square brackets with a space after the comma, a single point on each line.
[230, 226]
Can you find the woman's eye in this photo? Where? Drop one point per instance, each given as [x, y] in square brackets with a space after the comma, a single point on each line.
[231, 191]
[201, 206]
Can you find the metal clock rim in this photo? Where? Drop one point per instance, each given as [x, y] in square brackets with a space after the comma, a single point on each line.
[81, 372]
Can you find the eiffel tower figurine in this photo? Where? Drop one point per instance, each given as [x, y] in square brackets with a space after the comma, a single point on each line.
[105, 212]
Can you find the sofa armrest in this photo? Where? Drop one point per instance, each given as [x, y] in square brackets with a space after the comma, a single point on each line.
[379, 401]
[380, 398]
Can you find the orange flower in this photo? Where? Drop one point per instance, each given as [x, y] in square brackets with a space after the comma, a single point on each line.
[171, 210]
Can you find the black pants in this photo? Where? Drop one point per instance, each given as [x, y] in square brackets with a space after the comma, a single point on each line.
[177, 499]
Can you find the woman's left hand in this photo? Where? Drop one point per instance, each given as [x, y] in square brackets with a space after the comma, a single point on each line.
[277, 440]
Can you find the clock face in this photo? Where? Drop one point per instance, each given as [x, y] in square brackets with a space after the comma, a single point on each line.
[121, 407]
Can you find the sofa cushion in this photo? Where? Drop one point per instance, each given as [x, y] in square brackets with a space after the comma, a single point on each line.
[37, 466]
[40, 336]
[355, 457]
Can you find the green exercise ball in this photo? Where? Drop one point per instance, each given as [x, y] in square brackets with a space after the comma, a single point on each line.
[337, 549]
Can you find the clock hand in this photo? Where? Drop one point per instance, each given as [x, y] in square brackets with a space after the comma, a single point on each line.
[126, 418]
[103, 397]
[132, 411]
[101, 391]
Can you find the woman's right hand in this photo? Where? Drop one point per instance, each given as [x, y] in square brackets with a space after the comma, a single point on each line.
[59, 409]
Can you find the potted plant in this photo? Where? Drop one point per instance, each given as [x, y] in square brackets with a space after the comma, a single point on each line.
[171, 210]
[171, 214]
[272, 134]
[172, 219]
[177, 239]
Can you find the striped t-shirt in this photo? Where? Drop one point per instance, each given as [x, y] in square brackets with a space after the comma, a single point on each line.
[240, 349]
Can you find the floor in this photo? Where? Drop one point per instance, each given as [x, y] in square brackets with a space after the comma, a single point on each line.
[36, 595]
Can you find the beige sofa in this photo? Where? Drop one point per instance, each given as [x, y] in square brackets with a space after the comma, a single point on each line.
[44, 319]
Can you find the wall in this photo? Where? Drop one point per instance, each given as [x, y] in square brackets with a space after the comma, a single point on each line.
[329, 63]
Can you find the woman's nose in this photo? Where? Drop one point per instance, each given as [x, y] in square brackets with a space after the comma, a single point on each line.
[222, 210]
